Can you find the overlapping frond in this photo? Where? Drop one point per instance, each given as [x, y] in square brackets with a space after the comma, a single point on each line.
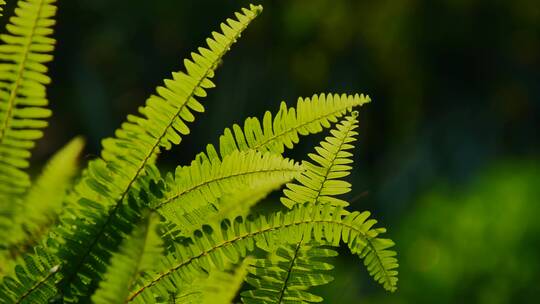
[127, 156]
[318, 184]
[138, 253]
[193, 188]
[240, 202]
[321, 181]
[282, 130]
[34, 279]
[39, 209]
[25, 49]
[214, 246]
[220, 287]
[288, 273]
[85, 258]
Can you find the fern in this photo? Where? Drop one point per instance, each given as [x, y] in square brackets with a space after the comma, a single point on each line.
[126, 157]
[230, 241]
[220, 287]
[309, 117]
[42, 204]
[284, 129]
[286, 275]
[137, 254]
[321, 181]
[35, 279]
[318, 184]
[23, 76]
[204, 182]
[126, 233]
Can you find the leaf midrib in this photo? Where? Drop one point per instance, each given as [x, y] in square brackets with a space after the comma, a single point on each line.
[151, 152]
[22, 66]
[245, 236]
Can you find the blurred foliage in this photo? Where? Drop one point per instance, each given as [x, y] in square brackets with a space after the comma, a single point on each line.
[455, 85]
[476, 244]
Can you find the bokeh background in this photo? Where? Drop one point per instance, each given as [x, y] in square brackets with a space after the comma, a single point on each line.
[448, 156]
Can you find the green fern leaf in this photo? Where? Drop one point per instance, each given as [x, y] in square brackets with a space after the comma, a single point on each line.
[138, 253]
[127, 157]
[283, 130]
[214, 246]
[322, 181]
[40, 208]
[318, 184]
[240, 202]
[2, 3]
[220, 287]
[23, 76]
[34, 280]
[202, 183]
[286, 275]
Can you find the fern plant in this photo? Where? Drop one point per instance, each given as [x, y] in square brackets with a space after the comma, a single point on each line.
[122, 231]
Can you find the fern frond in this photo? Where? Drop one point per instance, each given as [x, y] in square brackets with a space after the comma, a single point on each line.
[26, 48]
[213, 246]
[81, 275]
[194, 187]
[318, 184]
[34, 280]
[220, 287]
[138, 253]
[240, 202]
[322, 180]
[127, 156]
[310, 116]
[39, 209]
[287, 274]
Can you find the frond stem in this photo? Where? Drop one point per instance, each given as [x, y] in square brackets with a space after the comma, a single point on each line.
[244, 236]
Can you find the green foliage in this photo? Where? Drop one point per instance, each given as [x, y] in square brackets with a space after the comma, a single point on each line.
[287, 278]
[490, 253]
[216, 245]
[321, 182]
[38, 210]
[25, 49]
[137, 254]
[219, 287]
[123, 232]
[286, 275]
[194, 187]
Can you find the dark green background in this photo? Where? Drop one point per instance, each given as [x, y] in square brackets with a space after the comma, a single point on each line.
[455, 114]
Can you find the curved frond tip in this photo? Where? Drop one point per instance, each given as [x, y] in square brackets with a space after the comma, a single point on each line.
[321, 181]
[127, 157]
[282, 130]
[228, 242]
